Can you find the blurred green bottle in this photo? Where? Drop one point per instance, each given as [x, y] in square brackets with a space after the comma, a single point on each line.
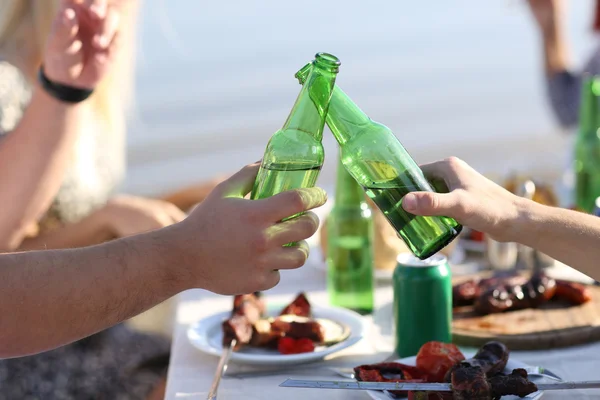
[587, 146]
[350, 247]
[380, 164]
[294, 155]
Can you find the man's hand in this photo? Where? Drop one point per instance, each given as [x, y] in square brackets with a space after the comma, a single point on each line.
[239, 242]
[473, 200]
[83, 42]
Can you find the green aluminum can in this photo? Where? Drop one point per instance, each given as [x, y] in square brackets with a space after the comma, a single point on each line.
[422, 302]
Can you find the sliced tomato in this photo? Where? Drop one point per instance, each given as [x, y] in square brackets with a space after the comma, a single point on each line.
[304, 345]
[288, 345]
[436, 358]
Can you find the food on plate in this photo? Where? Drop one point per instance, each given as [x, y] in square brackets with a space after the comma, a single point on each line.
[516, 383]
[536, 291]
[573, 292]
[249, 305]
[491, 358]
[390, 372]
[437, 358]
[471, 383]
[309, 329]
[289, 345]
[516, 292]
[300, 307]
[480, 377]
[247, 310]
[293, 331]
[465, 293]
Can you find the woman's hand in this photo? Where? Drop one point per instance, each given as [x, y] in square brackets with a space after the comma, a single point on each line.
[83, 41]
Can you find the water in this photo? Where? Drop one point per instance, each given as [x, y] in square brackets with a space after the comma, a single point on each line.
[213, 81]
[424, 236]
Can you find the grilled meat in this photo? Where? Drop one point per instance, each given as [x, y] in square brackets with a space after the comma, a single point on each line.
[300, 307]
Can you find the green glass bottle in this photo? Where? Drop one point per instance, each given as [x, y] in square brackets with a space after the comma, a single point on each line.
[294, 155]
[350, 247]
[380, 164]
[587, 146]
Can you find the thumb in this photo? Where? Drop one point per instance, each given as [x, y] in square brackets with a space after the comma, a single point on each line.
[430, 203]
[239, 184]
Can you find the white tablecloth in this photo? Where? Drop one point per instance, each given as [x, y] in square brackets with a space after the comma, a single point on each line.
[191, 371]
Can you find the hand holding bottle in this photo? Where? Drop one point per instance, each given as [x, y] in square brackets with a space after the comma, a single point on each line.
[473, 200]
[240, 241]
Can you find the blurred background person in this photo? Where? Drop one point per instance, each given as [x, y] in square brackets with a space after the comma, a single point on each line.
[60, 167]
[562, 78]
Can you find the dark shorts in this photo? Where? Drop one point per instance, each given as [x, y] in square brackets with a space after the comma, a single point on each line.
[117, 364]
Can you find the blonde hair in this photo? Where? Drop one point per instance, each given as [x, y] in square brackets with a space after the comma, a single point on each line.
[24, 28]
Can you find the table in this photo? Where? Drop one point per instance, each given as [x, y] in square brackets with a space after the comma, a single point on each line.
[191, 371]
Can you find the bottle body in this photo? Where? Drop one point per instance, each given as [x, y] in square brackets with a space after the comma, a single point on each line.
[381, 165]
[350, 282]
[294, 155]
[587, 146]
[587, 172]
[386, 171]
[292, 160]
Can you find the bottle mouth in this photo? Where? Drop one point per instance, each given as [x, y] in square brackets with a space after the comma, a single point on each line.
[327, 61]
[302, 74]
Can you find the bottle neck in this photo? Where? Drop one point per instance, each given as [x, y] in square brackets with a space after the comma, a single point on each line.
[312, 103]
[344, 118]
[348, 192]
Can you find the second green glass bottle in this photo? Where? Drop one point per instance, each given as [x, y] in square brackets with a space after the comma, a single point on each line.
[587, 146]
[380, 164]
[350, 247]
[294, 155]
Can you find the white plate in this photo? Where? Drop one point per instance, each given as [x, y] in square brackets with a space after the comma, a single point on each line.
[206, 335]
[512, 364]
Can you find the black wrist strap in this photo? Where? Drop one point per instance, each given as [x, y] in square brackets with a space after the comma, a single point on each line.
[65, 93]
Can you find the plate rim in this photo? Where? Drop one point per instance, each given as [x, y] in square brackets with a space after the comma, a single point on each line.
[355, 337]
[375, 395]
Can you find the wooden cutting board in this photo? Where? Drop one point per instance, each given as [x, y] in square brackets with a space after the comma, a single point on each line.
[555, 324]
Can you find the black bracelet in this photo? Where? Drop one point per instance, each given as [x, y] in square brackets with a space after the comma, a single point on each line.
[68, 94]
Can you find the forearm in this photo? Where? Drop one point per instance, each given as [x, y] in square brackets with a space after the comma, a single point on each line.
[33, 160]
[556, 58]
[570, 237]
[75, 293]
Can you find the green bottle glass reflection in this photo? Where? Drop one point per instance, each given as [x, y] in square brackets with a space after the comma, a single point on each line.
[350, 247]
[587, 146]
[294, 155]
[380, 164]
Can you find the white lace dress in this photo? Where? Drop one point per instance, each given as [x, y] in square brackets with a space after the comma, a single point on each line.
[118, 363]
